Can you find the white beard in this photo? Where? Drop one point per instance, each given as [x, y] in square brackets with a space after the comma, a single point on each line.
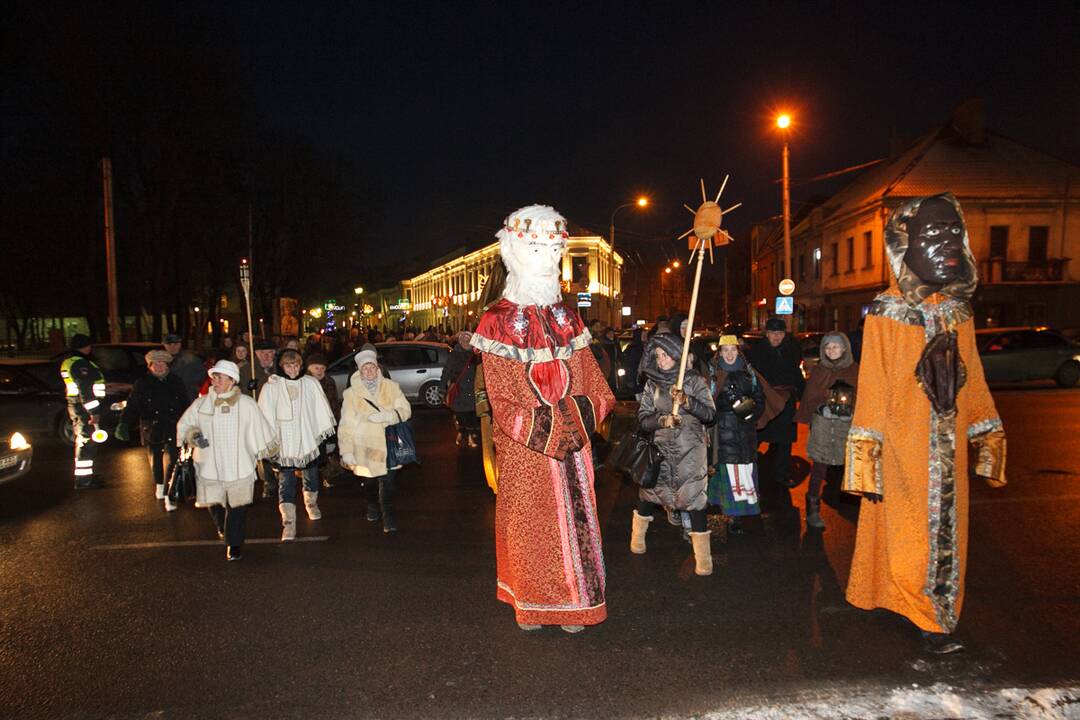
[526, 290]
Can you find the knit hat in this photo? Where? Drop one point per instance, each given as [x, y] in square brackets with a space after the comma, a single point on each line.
[226, 367]
[80, 341]
[366, 355]
[727, 340]
[316, 359]
[775, 324]
[158, 356]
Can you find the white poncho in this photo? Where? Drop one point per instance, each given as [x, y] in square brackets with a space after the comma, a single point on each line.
[301, 417]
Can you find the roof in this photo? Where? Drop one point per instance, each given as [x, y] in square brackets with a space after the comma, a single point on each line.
[942, 160]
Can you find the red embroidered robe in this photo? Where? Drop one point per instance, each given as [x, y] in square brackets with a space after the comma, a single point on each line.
[547, 395]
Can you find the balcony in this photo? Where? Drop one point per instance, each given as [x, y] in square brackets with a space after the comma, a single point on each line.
[997, 270]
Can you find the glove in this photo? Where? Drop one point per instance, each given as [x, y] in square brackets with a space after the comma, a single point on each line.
[383, 416]
[200, 440]
[667, 421]
[678, 397]
[122, 432]
[873, 497]
[252, 384]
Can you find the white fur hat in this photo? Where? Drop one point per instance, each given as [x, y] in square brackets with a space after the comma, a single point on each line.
[366, 355]
[226, 367]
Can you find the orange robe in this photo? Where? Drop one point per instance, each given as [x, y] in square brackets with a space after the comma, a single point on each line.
[911, 548]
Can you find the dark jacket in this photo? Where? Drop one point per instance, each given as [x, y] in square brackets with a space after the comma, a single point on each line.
[189, 367]
[780, 368]
[735, 438]
[631, 363]
[156, 404]
[330, 389]
[460, 357]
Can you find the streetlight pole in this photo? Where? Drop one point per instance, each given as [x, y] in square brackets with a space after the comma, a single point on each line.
[640, 202]
[783, 122]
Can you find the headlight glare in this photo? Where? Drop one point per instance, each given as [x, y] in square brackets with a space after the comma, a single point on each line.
[18, 442]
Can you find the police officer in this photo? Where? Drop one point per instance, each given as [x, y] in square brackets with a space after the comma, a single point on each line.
[157, 401]
[84, 386]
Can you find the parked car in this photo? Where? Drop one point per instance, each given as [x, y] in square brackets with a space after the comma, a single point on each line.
[1028, 353]
[32, 400]
[416, 366]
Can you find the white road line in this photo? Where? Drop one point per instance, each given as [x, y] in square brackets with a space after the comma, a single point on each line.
[202, 543]
[1025, 498]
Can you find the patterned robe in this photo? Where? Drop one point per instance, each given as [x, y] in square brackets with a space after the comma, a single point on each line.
[547, 395]
[911, 548]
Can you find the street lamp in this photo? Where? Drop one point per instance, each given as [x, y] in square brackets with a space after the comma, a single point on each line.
[358, 290]
[783, 121]
[640, 202]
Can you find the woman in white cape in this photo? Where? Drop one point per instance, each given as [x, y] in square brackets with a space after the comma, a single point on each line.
[295, 404]
[229, 434]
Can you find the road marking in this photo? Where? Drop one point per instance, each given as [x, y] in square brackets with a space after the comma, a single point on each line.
[1025, 498]
[201, 543]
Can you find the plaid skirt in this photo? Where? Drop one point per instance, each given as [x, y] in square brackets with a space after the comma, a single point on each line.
[734, 489]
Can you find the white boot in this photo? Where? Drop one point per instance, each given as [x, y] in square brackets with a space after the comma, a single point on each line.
[702, 552]
[170, 505]
[637, 533]
[288, 521]
[159, 492]
[311, 504]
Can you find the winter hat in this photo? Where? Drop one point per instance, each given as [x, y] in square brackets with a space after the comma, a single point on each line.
[727, 340]
[367, 355]
[158, 356]
[171, 338]
[80, 341]
[316, 359]
[226, 367]
[264, 344]
[775, 324]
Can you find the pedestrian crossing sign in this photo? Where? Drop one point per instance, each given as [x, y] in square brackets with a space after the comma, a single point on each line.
[785, 305]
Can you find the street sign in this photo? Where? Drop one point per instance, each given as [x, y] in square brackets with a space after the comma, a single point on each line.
[787, 286]
[785, 305]
[584, 299]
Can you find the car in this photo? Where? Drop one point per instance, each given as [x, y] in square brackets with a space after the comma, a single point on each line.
[33, 400]
[417, 366]
[18, 416]
[1016, 354]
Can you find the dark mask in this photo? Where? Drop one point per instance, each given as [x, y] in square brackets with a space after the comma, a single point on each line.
[935, 251]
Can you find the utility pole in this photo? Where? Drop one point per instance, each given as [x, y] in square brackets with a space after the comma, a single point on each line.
[787, 213]
[110, 251]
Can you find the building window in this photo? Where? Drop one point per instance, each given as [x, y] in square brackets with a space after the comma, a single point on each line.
[999, 241]
[817, 263]
[850, 243]
[868, 250]
[836, 258]
[1038, 239]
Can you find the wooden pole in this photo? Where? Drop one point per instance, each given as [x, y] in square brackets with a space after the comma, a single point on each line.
[110, 251]
[690, 318]
[245, 283]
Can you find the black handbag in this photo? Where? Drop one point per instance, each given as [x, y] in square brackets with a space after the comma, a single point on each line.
[400, 443]
[637, 458]
[182, 480]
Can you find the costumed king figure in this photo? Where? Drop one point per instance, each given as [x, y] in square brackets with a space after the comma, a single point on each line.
[922, 399]
[547, 395]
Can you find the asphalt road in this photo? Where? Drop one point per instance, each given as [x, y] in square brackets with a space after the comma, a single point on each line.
[107, 609]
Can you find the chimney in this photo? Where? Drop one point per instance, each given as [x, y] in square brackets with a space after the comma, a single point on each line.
[968, 121]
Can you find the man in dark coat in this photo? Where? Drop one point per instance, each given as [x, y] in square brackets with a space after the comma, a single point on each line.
[777, 359]
[460, 373]
[156, 402]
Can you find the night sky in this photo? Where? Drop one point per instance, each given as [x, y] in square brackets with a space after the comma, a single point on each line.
[462, 112]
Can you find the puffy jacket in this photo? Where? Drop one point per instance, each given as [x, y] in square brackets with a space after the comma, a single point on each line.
[734, 438]
[684, 471]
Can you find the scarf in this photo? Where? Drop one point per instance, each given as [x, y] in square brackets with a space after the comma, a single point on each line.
[371, 386]
[229, 397]
[670, 344]
[739, 364]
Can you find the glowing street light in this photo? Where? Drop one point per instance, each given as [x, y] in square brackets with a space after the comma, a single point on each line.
[675, 264]
[783, 121]
[641, 202]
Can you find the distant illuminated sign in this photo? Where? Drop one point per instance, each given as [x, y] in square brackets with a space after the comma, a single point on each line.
[785, 305]
[584, 299]
[626, 311]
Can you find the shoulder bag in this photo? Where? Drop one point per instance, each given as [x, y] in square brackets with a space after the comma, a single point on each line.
[400, 444]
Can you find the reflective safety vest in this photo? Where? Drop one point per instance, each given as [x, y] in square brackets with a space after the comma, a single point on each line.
[73, 391]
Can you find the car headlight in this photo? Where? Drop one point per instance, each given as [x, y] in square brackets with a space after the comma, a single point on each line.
[18, 442]
[621, 372]
[118, 406]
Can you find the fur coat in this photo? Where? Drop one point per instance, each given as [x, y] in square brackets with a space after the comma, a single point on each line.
[361, 440]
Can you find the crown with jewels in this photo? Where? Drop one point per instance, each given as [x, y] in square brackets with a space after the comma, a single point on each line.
[533, 228]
